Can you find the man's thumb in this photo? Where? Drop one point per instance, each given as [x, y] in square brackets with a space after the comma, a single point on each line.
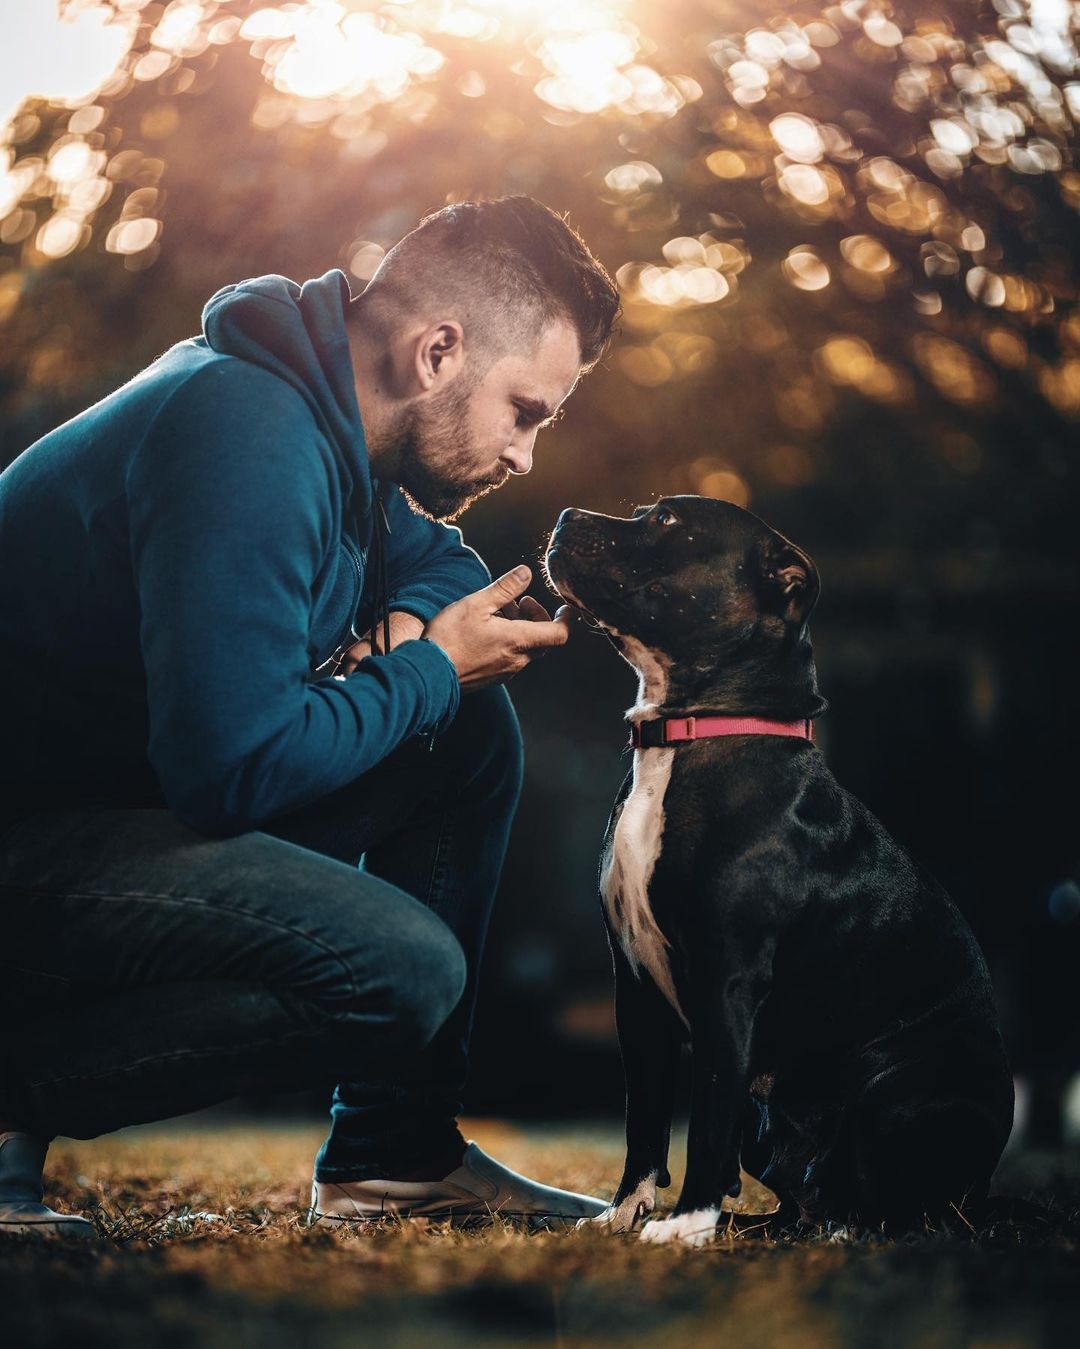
[509, 586]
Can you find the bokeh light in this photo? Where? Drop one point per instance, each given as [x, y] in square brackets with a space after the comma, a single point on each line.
[855, 196]
[64, 57]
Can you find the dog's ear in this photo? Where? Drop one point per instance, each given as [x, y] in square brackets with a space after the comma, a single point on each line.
[791, 579]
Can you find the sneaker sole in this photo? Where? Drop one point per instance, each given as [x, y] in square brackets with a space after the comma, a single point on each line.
[456, 1218]
[47, 1231]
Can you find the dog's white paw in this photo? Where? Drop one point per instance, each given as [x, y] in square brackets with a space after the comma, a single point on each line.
[625, 1216]
[613, 1219]
[696, 1228]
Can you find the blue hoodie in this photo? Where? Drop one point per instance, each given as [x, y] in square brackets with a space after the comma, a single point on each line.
[178, 561]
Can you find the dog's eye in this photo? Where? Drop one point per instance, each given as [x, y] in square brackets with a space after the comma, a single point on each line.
[666, 517]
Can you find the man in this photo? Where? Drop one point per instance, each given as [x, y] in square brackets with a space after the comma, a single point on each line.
[242, 848]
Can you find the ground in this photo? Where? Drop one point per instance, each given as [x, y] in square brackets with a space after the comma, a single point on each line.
[207, 1247]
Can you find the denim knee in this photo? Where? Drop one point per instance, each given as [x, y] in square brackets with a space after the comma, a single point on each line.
[401, 993]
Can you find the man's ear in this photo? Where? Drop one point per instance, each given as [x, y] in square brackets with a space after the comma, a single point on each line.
[790, 579]
[438, 354]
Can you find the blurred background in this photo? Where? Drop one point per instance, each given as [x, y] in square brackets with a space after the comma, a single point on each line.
[847, 242]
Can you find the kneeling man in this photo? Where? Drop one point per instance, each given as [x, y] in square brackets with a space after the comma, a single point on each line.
[244, 847]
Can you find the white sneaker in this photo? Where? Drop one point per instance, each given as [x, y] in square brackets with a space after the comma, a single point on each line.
[480, 1187]
[22, 1213]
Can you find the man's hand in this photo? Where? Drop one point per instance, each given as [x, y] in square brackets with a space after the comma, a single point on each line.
[403, 627]
[494, 633]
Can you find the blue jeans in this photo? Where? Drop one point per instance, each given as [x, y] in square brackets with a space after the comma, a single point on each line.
[147, 970]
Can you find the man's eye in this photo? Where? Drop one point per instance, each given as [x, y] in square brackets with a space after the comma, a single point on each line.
[666, 517]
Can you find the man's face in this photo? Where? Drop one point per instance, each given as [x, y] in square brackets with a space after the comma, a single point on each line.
[466, 440]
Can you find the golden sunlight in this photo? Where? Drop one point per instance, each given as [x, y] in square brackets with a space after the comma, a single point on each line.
[323, 50]
[64, 59]
[774, 147]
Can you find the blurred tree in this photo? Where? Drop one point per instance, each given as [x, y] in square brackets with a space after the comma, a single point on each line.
[828, 224]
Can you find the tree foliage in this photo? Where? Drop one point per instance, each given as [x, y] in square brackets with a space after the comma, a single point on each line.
[846, 236]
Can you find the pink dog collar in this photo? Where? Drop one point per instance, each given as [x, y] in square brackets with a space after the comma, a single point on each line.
[677, 730]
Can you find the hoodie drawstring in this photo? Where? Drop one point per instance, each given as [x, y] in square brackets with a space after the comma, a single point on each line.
[381, 549]
[380, 544]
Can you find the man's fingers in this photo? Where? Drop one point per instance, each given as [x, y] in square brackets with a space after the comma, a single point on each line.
[533, 610]
[351, 659]
[507, 587]
[354, 656]
[534, 636]
[486, 652]
[526, 608]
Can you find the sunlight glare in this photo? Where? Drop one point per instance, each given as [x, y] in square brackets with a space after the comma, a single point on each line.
[338, 55]
[65, 60]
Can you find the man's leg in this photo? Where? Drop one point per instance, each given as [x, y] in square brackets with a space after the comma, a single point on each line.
[147, 971]
[435, 824]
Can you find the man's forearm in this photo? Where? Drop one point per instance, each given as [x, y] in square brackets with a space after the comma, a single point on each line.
[403, 628]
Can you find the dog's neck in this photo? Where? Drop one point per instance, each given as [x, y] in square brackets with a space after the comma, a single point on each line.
[654, 675]
[782, 687]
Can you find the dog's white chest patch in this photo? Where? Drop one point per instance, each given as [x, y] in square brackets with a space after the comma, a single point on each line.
[628, 865]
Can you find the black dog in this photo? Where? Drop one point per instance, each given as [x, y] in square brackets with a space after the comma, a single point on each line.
[845, 1042]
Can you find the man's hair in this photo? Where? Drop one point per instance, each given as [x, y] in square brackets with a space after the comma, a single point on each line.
[509, 269]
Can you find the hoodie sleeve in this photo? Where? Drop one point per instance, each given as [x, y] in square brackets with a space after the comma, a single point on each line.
[230, 507]
[430, 565]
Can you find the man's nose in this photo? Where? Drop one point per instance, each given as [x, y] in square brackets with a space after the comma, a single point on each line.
[518, 455]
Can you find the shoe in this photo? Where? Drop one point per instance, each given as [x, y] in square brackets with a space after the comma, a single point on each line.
[22, 1213]
[480, 1188]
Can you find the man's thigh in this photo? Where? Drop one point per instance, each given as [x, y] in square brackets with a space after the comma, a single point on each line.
[113, 898]
[475, 760]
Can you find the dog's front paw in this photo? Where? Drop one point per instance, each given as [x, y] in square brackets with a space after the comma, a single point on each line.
[623, 1215]
[614, 1219]
[696, 1228]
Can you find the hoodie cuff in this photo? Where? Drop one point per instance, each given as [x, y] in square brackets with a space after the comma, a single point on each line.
[424, 610]
[440, 679]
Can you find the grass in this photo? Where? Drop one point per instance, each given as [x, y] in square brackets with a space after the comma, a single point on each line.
[207, 1247]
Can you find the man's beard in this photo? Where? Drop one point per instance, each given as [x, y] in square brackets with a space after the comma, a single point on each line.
[428, 458]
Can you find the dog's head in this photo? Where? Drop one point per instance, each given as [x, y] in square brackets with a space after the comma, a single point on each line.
[695, 587]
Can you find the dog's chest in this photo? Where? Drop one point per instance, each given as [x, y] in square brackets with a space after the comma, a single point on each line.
[630, 857]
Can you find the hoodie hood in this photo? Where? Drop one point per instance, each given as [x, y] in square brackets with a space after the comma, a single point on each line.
[298, 333]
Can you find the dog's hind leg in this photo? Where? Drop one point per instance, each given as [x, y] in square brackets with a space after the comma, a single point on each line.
[929, 1131]
[649, 1039]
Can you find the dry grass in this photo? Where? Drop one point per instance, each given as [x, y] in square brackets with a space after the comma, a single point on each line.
[207, 1246]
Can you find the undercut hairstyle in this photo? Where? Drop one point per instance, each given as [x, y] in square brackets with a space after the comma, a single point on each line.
[505, 269]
